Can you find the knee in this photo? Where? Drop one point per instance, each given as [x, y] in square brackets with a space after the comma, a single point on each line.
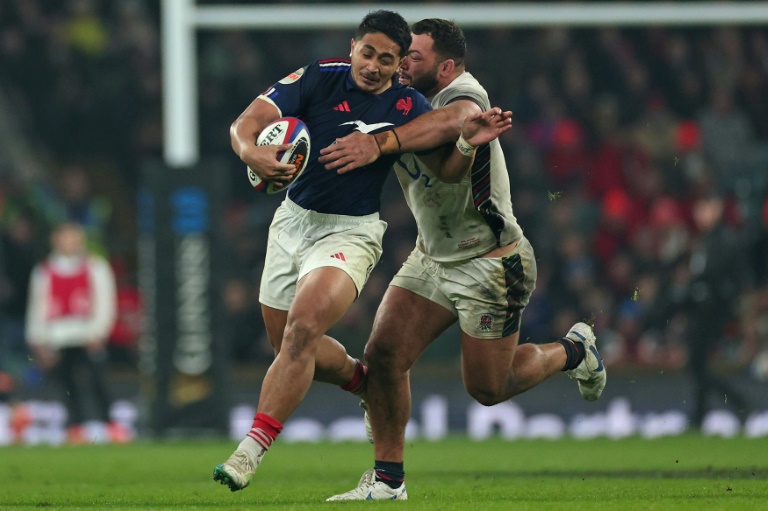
[298, 339]
[382, 357]
[486, 395]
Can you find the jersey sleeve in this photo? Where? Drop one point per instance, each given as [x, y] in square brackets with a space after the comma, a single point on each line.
[469, 94]
[104, 311]
[290, 94]
[36, 325]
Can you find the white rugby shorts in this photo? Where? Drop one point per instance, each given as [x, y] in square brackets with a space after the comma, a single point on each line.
[487, 295]
[301, 240]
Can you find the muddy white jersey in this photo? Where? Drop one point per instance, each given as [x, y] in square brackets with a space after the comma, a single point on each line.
[467, 219]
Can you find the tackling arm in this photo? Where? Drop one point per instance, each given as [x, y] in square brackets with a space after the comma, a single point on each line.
[476, 130]
[428, 131]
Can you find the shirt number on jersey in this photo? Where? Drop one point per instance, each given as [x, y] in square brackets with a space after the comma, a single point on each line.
[417, 172]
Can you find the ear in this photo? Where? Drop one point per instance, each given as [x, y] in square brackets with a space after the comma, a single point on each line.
[447, 67]
[351, 46]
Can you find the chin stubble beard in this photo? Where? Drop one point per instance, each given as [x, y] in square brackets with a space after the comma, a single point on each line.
[425, 87]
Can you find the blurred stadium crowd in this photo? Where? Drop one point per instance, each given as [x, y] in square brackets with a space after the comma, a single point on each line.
[617, 133]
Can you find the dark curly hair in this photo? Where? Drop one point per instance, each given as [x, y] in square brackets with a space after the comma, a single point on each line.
[449, 41]
[389, 23]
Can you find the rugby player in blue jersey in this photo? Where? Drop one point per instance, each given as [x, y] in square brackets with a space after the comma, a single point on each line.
[326, 236]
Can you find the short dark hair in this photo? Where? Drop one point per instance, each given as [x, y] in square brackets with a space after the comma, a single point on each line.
[389, 23]
[449, 41]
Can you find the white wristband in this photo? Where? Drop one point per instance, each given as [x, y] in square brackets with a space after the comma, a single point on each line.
[465, 148]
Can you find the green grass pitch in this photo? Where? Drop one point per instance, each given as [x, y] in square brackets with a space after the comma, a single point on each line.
[677, 473]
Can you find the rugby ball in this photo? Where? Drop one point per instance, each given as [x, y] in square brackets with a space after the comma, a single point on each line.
[286, 130]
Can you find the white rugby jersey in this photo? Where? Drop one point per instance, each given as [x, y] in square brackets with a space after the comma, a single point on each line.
[467, 219]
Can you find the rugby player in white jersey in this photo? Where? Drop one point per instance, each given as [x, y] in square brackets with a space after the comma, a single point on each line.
[471, 263]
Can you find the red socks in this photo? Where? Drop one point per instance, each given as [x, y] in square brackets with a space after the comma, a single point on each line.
[264, 430]
[358, 382]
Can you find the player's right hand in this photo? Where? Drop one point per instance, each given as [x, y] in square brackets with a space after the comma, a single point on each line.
[263, 160]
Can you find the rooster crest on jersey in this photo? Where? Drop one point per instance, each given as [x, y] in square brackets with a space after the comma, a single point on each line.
[286, 130]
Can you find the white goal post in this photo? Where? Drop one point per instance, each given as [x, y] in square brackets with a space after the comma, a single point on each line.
[181, 19]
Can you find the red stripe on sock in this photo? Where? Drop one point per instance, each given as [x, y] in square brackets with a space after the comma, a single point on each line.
[265, 429]
[270, 426]
[383, 477]
[260, 438]
[357, 383]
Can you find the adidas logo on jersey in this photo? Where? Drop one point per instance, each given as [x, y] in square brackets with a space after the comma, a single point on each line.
[342, 107]
[339, 255]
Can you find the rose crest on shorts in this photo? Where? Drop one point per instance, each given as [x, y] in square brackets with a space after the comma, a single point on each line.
[486, 322]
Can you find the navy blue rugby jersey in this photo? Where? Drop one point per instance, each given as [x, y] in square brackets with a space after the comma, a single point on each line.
[324, 96]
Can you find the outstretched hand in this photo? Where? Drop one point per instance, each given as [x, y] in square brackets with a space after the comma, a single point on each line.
[350, 152]
[479, 129]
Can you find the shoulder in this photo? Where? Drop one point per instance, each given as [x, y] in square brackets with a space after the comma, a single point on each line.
[324, 71]
[40, 270]
[332, 65]
[465, 86]
[467, 82]
[317, 70]
[99, 264]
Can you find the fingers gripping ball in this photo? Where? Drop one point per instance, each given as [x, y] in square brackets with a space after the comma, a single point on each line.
[286, 130]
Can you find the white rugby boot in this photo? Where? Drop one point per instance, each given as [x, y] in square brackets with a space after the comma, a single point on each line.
[237, 472]
[370, 489]
[590, 373]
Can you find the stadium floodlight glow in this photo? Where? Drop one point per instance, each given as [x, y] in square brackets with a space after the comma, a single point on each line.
[182, 18]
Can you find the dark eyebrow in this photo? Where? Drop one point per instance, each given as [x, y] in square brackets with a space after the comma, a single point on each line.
[381, 55]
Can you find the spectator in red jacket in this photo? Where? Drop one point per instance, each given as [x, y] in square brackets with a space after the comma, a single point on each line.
[71, 311]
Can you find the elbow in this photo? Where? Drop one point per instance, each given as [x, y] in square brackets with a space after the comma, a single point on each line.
[240, 133]
[233, 136]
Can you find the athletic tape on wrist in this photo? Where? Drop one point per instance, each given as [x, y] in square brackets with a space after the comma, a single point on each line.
[465, 148]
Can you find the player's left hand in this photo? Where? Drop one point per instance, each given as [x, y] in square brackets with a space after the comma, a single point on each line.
[479, 129]
[349, 153]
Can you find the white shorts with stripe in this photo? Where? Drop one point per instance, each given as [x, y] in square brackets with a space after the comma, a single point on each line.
[488, 295]
[301, 240]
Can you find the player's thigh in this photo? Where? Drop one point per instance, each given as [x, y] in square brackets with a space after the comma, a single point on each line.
[487, 363]
[353, 248]
[333, 271]
[322, 297]
[312, 260]
[490, 295]
[406, 323]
